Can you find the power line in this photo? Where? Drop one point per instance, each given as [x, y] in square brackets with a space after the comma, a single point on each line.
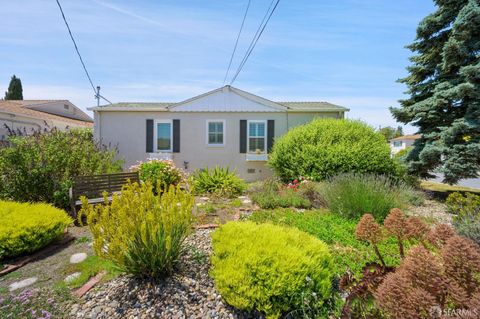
[95, 90]
[236, 42]
[256, 37]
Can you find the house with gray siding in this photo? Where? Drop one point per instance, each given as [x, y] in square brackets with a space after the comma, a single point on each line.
[225, 127]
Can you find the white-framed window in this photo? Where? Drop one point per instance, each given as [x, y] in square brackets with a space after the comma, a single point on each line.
[257, 136]
[215, 133]
[397, 143]
[163, 135]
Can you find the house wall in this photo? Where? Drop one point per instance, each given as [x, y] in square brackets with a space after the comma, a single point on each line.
[28, 124]
[127, 131]
[405, 143]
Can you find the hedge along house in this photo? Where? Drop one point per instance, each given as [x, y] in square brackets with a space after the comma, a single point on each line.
[226, 127]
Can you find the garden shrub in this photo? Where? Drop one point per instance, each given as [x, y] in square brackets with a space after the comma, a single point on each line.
[141, 232]
[159, 173]
[338, 232]
[218, 181]
[41, 167]
[271, 194]
[269, 268]
[352, 195]
[325, 147]
[466, 209]
[25, 227]
[445, 281]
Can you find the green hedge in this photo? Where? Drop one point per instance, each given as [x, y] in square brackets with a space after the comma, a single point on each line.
[25, 228]
[270, 268]
[326, 147]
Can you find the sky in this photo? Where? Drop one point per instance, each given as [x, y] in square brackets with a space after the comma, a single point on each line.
[347, 52]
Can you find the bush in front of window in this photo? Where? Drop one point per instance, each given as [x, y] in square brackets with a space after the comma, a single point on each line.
[326, 147]
[219, 181]
[160, 173]
[141, 232]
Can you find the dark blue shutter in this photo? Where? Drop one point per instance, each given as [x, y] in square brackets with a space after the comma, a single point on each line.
[149, 136]
[176, 136]
[243, 136]
[270, 134]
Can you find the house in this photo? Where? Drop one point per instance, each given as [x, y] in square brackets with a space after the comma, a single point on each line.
[225, 127]
[33, 115]
[402, 142]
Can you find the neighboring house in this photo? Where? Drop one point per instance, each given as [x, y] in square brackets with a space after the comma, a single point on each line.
[225, 127]
[402, 142]
[33, 115]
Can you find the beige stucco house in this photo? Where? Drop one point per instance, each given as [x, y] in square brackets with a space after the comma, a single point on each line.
[225, 127]
[402, 142]
[34, 115]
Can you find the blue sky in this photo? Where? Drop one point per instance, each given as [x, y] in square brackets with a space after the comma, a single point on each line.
[349, 52]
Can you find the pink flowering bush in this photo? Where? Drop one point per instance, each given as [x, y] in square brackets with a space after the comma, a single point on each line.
[160, 173]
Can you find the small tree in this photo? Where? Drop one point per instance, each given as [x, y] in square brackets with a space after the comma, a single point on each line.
[390, 132]
[15, 91]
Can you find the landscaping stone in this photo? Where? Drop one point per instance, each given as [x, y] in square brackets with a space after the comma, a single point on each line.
[72, 277]
[78, 258]
[188, 293]
[22, 283]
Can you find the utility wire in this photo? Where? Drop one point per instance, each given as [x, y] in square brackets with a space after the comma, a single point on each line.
[256, 37]
[236, 42]
[97, 94]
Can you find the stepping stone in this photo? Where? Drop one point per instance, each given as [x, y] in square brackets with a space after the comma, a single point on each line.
[246, 201]
[78, 258]
[72, 277]
[242, 197]
[22, 284]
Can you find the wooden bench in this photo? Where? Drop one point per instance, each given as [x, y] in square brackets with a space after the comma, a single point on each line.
[92, 187]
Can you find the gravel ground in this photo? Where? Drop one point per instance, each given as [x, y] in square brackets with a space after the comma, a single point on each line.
[432, 210]
[189, 293]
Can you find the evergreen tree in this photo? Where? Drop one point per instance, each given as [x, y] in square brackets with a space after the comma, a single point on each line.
[15, 91]
[444, 89]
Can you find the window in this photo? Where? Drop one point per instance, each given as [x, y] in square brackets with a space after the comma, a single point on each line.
[65, 106]
[397, 143]
[215, 132]
[257, 138]
[164, 136]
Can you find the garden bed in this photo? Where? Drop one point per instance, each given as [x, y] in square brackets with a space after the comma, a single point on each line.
[188, 293]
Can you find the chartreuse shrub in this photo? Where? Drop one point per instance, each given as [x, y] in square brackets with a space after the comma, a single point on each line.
[326, 147]
[269, 268]
[25, 227]
[41, 167]
[466, 209]
[161, 172]
[352, 195]
[337, 232]
[142, 231]
[218, 181]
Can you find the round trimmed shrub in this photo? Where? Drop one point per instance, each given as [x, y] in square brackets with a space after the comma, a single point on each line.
[270, 268]
[326, 147]
[160, 173]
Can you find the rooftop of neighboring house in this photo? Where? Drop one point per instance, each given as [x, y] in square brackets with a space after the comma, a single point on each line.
[407, 137]
[225, 99]
[48, 110]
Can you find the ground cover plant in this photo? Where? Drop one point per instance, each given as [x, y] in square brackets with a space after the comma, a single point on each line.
[271, 194]
[34, 303]
[337, 232]
[351, 195]
[26, 227]
[466, 210]
[219, 181]
[270, 268]
[142, 231]
[161, 172]
[325, 147]
[40, 167]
